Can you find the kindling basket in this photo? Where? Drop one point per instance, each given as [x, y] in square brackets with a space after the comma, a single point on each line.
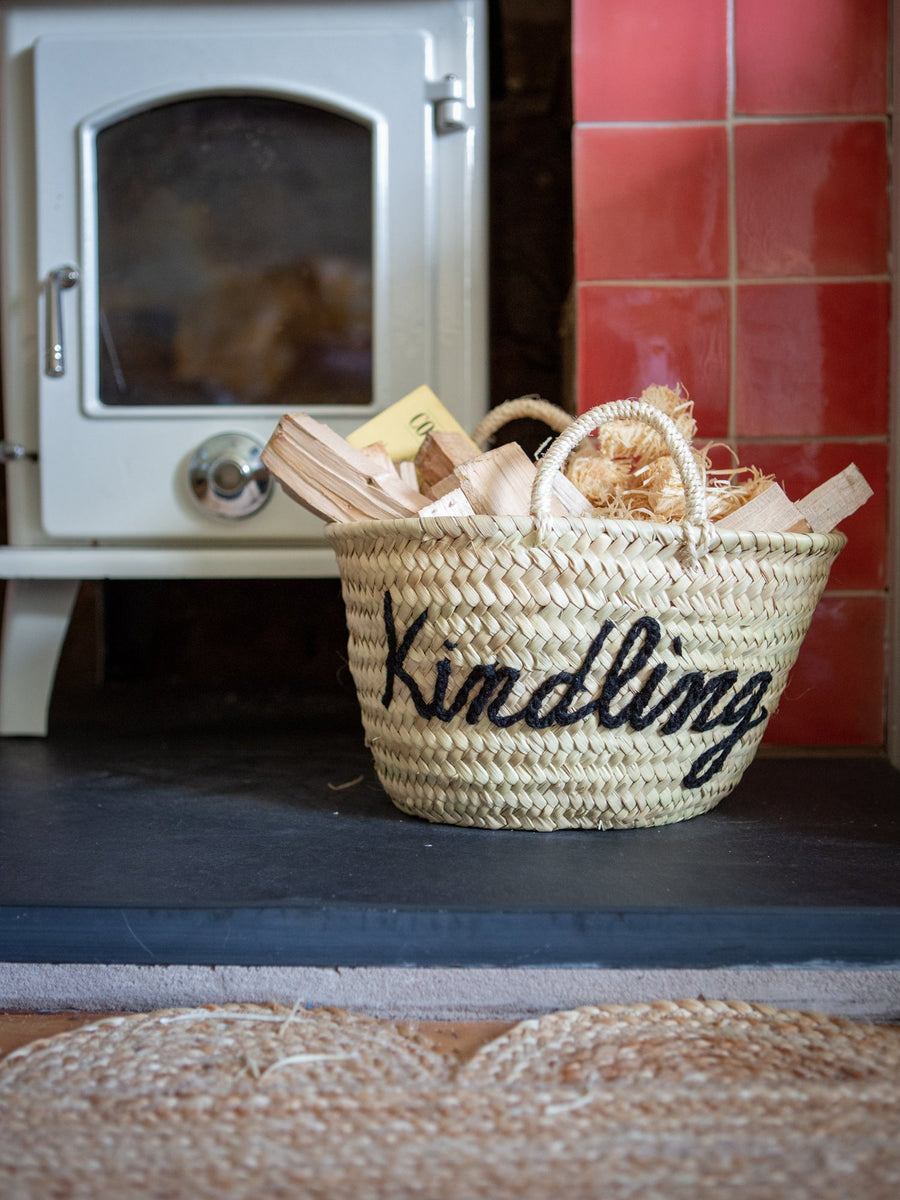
[549, 672]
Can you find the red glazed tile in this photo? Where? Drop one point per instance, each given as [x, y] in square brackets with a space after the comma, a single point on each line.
[835, 693]
[800, 467]
[651, 203]
[629, 338]
[811, 56]
[813, 359]
[812, 198]
[660, 60]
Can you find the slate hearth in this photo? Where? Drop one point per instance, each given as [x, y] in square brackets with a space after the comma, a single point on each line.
[282, 849]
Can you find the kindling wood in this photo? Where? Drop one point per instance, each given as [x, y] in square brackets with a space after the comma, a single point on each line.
[354, 480]
[440, 454]
[501, 480]
[334, 479]
[835, 500]
[770, 511]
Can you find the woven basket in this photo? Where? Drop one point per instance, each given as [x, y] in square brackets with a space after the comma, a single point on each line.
[550, 673]
[525, 407]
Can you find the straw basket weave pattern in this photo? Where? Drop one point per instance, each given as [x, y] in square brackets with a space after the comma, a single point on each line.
[556, 672]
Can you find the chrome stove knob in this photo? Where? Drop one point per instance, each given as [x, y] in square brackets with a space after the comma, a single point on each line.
[227, 477]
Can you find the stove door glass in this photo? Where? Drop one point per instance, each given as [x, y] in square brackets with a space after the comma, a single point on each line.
[235, 255]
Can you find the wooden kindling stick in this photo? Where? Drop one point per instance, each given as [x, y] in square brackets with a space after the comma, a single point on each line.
[334, 480]
[439, 456]
[821, 511]
[500, 481]
[832, 502]
[770, 511]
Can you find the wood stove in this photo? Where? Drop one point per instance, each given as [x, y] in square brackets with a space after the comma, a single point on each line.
[213, 213]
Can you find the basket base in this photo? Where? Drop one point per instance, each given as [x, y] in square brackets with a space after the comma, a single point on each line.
[481, 811]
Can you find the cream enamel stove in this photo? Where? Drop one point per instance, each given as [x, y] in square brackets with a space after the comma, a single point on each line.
[213, 214]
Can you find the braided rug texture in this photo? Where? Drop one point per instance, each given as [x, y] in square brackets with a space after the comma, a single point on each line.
[501, 593]
[669, 1100]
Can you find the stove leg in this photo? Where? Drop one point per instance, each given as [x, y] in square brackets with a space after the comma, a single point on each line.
[36, 616]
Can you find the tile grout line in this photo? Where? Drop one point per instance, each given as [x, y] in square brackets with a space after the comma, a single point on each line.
[732, 224]
[802, 439]
[744, 119]
[723, 281]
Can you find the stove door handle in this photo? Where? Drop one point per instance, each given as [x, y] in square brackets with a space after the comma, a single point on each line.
[58, 281]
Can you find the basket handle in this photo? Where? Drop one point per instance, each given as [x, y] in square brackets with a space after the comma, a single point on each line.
[513, 410]
[697, 527]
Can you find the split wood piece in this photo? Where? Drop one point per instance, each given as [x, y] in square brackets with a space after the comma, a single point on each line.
[406, 469]
[500, 482]
[770, 511]
[440, 454]
[453, 504]
[443, 487]
[378, 453]
[403, 425]
[833, 501]
[302, 491]
[334, 480]
[571, 498]
[820, 511]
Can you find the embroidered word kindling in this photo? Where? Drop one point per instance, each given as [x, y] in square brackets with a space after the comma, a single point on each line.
[695, 696]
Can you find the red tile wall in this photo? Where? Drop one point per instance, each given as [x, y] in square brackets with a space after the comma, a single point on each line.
[731, 183]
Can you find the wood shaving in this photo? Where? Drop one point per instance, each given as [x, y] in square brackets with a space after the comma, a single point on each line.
[599, 478]
[626, 471]
[342, 787]
[636, 442]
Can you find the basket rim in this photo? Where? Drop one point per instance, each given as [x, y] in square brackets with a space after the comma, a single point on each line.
[483, 525]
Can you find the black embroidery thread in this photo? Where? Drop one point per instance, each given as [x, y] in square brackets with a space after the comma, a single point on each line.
[693, 697]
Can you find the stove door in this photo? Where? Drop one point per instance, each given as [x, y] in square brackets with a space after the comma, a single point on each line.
[228, 227]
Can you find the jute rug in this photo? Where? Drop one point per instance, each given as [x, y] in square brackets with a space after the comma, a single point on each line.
[696, 1099]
